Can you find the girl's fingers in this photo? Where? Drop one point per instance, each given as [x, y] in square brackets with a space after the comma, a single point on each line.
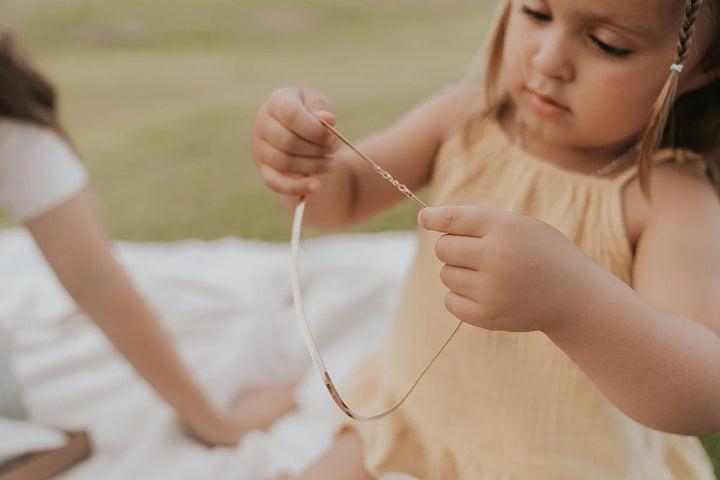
[314, 100]
[460, 220]
[288, 142]
[293, 164]
[318, 104]
[459, 251]
[463, 308]
[287, 185]
[287, 107]
[462, 281]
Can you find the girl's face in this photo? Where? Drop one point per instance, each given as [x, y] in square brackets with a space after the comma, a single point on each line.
[585, 73]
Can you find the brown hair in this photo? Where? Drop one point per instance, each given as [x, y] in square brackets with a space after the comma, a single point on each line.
[25, 94]
[689, 122]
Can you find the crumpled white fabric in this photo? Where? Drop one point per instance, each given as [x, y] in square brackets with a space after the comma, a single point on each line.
[228, 305]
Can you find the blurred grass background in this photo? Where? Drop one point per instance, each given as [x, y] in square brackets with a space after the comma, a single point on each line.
[160, 96]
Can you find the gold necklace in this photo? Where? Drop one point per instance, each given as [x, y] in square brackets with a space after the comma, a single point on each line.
[300, 308]
[600, 172]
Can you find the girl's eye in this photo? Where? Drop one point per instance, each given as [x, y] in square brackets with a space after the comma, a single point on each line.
[536, 15]
[609, 49]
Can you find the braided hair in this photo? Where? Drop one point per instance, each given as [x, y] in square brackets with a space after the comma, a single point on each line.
[657, 133]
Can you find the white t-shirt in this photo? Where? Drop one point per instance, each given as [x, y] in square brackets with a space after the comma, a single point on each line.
[38, 170]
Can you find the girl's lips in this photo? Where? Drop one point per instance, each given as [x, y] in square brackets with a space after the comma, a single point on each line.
[545, 105]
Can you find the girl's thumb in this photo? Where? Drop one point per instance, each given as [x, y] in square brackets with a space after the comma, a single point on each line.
[325, 115]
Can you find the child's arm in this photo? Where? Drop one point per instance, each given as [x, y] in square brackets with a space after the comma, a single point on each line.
[654, 350]
[297, 156]
[75, 245]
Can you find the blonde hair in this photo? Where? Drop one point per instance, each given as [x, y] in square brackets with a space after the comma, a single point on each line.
[488, 65]
[656, 135]
[689, 122]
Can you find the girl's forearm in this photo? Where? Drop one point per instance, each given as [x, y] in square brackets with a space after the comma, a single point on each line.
[658, 368]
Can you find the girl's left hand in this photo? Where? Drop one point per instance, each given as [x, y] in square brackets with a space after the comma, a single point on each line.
[508, 272]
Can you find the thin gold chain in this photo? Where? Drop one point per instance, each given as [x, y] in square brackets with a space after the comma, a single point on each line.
[600, 172]
[300, 309]
[380, 171]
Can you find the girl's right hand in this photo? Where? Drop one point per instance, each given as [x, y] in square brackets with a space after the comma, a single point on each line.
[290, 146]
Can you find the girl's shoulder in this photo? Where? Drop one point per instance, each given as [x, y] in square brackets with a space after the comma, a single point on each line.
[679, 192]
[676, 264]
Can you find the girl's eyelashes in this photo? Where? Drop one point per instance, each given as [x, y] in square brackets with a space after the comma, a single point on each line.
[609, 49]
[536, 15]
[605, 48]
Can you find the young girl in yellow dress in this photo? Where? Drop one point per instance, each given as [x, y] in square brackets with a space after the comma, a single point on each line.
[575, 232]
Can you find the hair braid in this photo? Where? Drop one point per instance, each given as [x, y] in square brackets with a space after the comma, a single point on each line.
[692, 10]
[653, 135]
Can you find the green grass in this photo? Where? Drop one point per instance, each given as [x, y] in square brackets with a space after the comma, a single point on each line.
[712, 445]
[160, 96]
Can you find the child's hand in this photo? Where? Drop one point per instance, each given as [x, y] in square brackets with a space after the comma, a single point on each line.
[508, 272]
[290, 145]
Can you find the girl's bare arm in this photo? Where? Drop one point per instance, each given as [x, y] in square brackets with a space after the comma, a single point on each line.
[655, 351]
[350, 190]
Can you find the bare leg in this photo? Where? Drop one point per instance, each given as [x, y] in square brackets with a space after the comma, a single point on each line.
[344, 461]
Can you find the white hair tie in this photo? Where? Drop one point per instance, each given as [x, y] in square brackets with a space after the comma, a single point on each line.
[678, 67]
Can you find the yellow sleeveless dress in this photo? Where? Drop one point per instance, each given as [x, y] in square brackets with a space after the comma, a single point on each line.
[498, 405]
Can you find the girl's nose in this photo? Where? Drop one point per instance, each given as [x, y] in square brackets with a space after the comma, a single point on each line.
[551, 57]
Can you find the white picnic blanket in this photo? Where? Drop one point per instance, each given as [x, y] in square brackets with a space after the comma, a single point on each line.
[228, 304]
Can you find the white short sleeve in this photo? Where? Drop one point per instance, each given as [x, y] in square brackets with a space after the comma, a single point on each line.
[38, 170]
